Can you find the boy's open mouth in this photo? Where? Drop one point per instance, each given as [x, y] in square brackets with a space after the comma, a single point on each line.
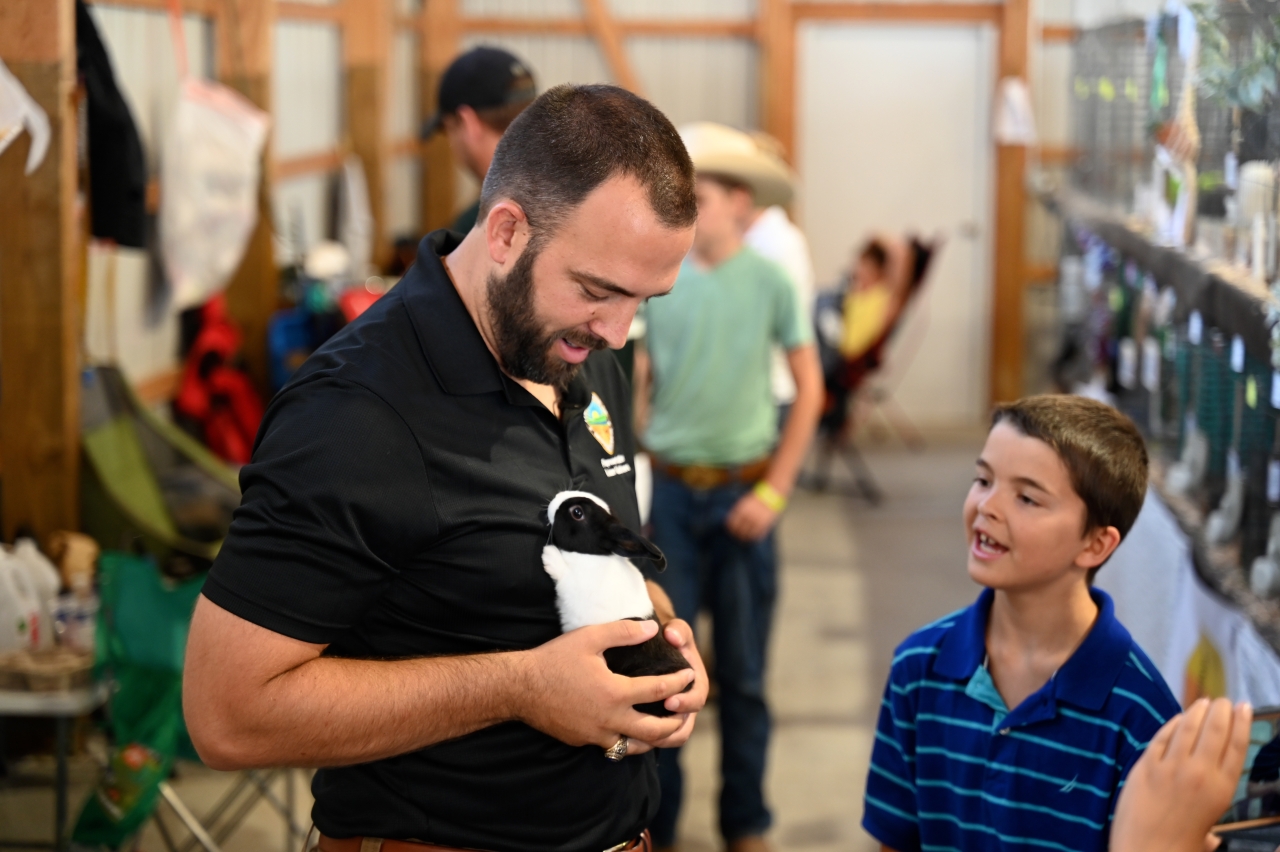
[986, 547]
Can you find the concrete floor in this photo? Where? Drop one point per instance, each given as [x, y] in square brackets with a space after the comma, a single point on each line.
[855, 580]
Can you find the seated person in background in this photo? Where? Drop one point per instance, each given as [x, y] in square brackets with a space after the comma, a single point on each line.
[1184, 780]
[868, 303]
[1014, 722]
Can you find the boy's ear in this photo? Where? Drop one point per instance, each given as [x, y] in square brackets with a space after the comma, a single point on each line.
[624, 542]
[1099, 544]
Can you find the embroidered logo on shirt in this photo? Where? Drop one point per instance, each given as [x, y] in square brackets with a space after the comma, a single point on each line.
[598, 422]
[615, 466]
[1070, 785]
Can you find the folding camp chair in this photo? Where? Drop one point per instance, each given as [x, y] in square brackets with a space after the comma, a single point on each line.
[148, 486]
[160, 504]
[857, 387]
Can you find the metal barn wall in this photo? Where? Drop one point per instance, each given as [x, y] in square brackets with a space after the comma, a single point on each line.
[688, 78]
[402, 181]
[307, 111]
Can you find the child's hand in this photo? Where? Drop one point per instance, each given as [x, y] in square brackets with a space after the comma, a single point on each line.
[1185, 781]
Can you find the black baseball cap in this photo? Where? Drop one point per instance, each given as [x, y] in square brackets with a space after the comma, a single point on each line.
[481, 78]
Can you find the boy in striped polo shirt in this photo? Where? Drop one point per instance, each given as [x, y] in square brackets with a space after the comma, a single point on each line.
[1012, 724]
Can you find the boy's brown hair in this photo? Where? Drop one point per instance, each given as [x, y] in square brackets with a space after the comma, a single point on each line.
[1104, 453]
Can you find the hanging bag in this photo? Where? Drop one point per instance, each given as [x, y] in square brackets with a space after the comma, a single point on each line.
[209, 178]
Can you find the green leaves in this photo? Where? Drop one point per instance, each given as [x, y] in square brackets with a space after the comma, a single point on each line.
[1249, 80]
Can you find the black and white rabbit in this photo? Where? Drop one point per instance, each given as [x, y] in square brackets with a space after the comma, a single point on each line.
[589, 558]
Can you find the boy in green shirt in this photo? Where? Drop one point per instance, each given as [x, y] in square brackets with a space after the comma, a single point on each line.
[721, 473]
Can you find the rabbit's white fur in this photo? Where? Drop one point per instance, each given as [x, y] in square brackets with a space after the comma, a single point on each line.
[594, 589]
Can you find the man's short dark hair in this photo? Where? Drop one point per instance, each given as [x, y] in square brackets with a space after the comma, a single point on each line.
[1103, 451]
[572, 139]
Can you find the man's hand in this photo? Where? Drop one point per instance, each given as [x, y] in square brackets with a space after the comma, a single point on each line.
[1185, 781]
[571, 694]
[750, 519]
[685, 705]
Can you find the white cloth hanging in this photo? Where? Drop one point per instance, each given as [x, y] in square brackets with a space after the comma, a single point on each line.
[18, 112]
[209, 176]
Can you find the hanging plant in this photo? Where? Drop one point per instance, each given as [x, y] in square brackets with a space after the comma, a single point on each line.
[1249, 82]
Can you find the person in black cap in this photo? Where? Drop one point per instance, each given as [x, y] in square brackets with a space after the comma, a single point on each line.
[481, 93]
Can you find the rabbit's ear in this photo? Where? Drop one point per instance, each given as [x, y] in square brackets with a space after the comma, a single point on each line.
[624, 542]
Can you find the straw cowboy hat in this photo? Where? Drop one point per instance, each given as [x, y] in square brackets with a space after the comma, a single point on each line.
[719, 150]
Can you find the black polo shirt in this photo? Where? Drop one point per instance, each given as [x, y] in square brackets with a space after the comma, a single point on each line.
[395, 507]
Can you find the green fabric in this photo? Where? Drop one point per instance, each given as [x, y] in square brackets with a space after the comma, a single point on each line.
[466, 219]
[141, 641]
[710, 341]
[122, 465]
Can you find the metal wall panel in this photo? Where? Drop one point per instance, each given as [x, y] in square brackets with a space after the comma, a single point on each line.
[675, 9]
[306, 88]
[403, 197]
[522, 8]
[402, 118]
[690, 79]
[302, 210]
[1051, 92]
[142, 56]
[699, 79]
[553, 59]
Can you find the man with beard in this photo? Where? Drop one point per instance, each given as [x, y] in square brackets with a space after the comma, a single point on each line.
[379, 608]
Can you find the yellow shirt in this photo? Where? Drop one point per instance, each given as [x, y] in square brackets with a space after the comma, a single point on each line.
[865, 314]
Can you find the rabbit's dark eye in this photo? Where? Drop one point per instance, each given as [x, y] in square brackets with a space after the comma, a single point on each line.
[576, 513]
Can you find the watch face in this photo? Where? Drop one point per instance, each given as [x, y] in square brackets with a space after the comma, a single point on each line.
[1258, 796]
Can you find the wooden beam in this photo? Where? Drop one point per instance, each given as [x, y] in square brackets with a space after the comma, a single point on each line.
[244, 42]
[39, 274]
[1057, 155]
[601, 22]
[441, 37]
[924, 13]
[411, 147]
[776, 35]
[295, 11]
[1059, 32]
[1008, 342]
[530, 26]
[206, 8]
[308, 164]
[366, 52]
[679, 27]
[1040, 273]
[162, 387]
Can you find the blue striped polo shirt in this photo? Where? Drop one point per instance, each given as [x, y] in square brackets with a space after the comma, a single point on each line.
[954, 769]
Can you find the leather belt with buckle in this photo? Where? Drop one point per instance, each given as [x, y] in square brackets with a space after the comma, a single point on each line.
[374, 844]
[702, 477]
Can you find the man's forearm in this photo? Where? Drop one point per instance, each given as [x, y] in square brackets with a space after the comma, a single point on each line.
[253, 697]
[332, 711]
[802, 421]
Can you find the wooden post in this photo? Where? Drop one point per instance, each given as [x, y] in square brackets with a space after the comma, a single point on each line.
[366, 47]
[244, 64]
[1007, 335]
[39, 270]
[441, 35]
[601, 24]
[776, 35]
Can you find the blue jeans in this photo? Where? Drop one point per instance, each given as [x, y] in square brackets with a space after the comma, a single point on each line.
[736, 581]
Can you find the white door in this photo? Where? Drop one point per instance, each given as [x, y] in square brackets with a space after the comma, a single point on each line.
[894, 132]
